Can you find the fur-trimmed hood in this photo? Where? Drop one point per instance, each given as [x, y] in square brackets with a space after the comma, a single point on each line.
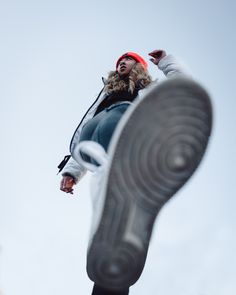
[137, 78]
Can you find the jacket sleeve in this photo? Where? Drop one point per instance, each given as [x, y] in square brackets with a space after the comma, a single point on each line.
[74, 169]
[172, 68]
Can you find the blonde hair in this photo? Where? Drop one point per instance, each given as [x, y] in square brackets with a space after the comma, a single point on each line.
[138, 77]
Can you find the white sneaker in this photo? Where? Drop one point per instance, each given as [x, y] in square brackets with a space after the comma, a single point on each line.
[157, 146]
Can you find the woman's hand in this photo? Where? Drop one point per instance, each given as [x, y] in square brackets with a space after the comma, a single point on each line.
[157, 55]
[67, 184]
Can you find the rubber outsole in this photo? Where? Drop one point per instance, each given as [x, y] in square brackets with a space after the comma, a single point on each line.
[158, 146]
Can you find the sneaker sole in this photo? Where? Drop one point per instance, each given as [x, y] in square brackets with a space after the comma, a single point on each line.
[156, 149]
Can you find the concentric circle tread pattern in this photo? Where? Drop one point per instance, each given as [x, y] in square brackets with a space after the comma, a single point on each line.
[158, 150]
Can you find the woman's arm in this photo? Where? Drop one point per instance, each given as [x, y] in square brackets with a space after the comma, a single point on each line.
[168, 64]
[72, 173]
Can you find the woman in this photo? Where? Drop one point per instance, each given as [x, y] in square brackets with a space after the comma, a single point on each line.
[120, 90]
[123, 88]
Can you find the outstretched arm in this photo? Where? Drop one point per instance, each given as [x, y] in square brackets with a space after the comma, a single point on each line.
[168, 64]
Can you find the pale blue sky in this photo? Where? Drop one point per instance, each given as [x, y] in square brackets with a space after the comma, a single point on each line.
[52, 57]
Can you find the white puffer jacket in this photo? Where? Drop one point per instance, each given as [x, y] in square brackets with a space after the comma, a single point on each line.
[168, 65]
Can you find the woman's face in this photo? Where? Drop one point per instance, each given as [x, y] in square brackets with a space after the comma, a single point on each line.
[125, 66]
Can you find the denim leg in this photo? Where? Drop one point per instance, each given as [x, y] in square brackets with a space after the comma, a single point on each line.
[101, 128]
[88, 131]
[90, 126]
[107, 125]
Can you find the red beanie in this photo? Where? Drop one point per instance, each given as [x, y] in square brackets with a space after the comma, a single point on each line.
[135, 56]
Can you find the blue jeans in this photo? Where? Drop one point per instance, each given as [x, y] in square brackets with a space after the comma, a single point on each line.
[101, 127]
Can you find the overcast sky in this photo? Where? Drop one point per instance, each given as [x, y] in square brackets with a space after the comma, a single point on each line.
[52, 57]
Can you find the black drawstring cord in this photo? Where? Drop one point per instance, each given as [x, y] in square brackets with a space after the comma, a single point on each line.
[63, 163]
